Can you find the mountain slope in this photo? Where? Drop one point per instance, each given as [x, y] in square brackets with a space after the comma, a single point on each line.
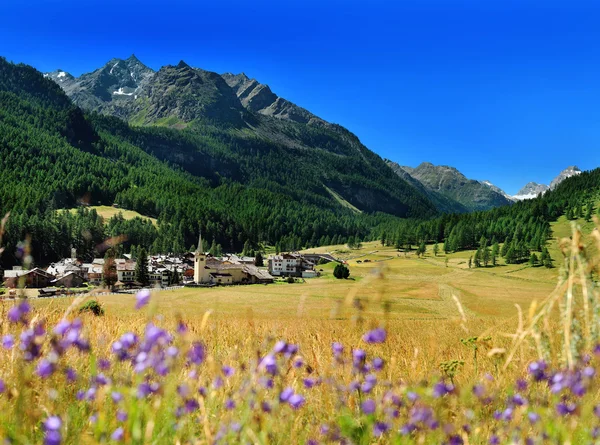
[566, 173]
[275, 144]
[450, 183]
[233, 188]
[530, 191]
[442, 203]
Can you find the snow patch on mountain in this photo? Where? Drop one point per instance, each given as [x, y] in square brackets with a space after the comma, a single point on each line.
[120, 92]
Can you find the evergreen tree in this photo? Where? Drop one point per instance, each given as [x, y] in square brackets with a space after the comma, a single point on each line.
[505, 246]
[470, 261]
[495, 252]
[477, 258]
[533, 259]
[436, 249]
[341, 271]
[422, 249]
[383, 239]
[569, 214]
[588, 212]
[446, 246]
[258, 260]
[511, 256]
[547, 258]
[109, 269]
[141, 268]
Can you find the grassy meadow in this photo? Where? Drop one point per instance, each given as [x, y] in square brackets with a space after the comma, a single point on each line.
[107, 212]
[408, 350]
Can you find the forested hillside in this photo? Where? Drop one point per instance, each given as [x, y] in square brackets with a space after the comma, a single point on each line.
[282, 147]
[52, 156]
[522, 227]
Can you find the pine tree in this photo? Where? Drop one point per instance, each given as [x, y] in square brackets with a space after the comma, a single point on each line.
[422, 248]
[533, 259]
[477, 258]
[258, 260]
[446, 247]
[495, 251]
[547, 261]
[141, 268]
[511, 256]
[505, 246]
[588, 212]
[109, 269]
[436, 249]
[470, 262]
[383, 239]
[569, 214]
[341, 272]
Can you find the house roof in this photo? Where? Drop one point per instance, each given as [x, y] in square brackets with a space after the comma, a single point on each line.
[260, 274]
[126, 266]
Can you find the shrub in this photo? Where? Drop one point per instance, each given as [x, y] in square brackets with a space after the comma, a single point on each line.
[340, 271]
[92, 306]
[290, 280]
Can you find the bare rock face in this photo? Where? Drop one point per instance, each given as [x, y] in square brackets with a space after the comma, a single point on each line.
[457, 190]
[530, 191]
[260, 99]
[566, 173]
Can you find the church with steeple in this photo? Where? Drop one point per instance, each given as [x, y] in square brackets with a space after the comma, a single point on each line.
[209, 270]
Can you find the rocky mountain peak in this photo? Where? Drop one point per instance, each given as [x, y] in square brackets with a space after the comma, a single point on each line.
[259, 98]
[566, 173]
[530, 191]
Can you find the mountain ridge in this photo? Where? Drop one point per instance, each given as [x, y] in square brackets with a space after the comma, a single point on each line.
[458, 190]
[244, 116]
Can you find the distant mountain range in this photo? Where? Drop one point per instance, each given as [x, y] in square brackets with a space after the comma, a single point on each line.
[452, 191]
[533, 189]
[237, 109]
[244, 117]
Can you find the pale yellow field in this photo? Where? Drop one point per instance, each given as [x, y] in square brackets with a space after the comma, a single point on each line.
[108, 212]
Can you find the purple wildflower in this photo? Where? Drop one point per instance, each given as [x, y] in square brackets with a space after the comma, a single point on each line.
[19, 313]
[537, 370]
[2, 386]
[229, 404]
[228, 371]
[8, 341]
[269, 364]
[368, 406]
[565, 409]
[380, 428]
[196, 353]
[375, 336]
[440, 389]
[70, 374]
[533, 417]
[52, 423]
[337, 349]
[142, 298]
[122, 416]
[286, 394]
[296, 401]
[118, 434]
[45, 368]
[52, 438]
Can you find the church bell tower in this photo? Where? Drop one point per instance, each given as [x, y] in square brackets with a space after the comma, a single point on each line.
[199, 262]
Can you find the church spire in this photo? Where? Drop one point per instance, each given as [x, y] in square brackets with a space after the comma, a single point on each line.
[200, 248]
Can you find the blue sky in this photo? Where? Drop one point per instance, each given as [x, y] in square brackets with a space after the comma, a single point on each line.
[503, 90]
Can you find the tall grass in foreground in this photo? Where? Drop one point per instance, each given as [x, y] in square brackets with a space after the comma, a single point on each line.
[71, 377]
